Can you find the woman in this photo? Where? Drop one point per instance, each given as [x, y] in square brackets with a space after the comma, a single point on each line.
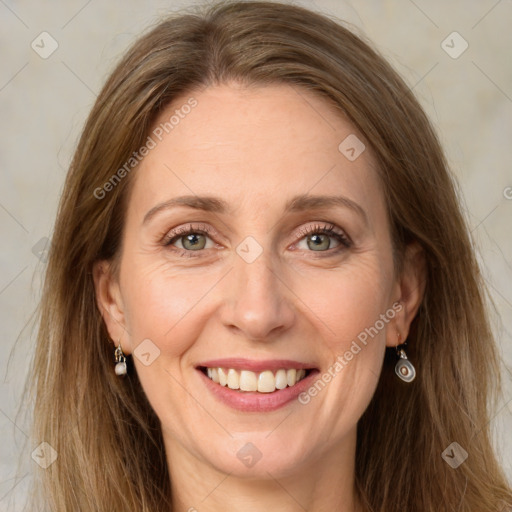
[195, 354]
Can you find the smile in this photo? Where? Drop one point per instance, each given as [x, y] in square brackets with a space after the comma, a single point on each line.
[266, 381]
[250, 385]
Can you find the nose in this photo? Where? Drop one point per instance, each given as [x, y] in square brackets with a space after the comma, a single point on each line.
[258, 304]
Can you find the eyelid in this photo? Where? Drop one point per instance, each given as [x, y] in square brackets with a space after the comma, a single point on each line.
[323, 227]
[186, 229]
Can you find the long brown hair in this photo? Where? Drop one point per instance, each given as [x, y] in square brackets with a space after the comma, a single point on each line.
[106, 435]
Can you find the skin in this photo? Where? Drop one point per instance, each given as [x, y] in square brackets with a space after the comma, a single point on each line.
[256, 148]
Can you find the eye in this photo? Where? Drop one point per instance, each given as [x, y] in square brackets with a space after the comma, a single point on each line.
[191, 238]
[318, 238]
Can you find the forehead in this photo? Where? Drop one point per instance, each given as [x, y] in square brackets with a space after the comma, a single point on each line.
[253, 146]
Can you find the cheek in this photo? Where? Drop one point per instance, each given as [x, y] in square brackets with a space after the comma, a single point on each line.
[347, 300]
[351, 310]
[160, 306]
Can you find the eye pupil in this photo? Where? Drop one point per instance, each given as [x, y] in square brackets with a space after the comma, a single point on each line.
[193, 240]
[318, 241]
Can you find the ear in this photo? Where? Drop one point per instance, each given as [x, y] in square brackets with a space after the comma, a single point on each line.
[109, 302]
[409, 291]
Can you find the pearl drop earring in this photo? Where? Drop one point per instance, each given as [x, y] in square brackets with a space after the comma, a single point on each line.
[121, 367]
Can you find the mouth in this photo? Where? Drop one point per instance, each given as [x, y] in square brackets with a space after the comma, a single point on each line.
[266, 381]
[256, 386]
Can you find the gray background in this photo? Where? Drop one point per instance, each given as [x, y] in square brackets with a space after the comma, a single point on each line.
[44, 102]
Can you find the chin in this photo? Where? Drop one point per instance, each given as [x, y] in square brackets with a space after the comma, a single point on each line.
[257, 457]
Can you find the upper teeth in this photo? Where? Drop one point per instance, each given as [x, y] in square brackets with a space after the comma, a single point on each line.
[264, 382]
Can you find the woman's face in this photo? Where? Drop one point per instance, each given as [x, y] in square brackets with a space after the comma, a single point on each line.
[258, 287]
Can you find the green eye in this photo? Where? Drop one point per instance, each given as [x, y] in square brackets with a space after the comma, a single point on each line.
[319, 242]
[318, 239]
[193, 241]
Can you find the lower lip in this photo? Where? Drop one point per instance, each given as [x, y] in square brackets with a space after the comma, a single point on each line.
[253, 401]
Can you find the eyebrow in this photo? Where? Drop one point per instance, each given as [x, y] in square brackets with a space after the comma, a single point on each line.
[296, 204]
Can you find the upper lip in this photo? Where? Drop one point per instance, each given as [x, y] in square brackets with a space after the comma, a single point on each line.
[238, 363]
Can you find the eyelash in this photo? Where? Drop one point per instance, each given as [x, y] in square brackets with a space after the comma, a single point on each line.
[327, 229]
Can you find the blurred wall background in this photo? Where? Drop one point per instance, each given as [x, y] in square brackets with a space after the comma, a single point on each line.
[55, 58]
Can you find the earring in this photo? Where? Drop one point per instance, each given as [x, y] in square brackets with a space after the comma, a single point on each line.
[120, 360]
[404, 368]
